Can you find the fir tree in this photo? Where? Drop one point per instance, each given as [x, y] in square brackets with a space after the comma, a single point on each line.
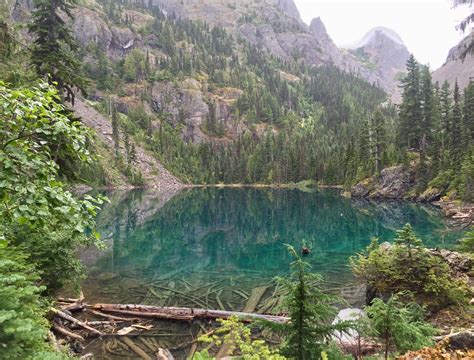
[455, 135]
[399, 326]
[54, 48]
[115, 129]
[378, 125]
[411, 117]
[311, 313]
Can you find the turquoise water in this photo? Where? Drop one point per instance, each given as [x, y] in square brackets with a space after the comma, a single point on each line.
[203, 244]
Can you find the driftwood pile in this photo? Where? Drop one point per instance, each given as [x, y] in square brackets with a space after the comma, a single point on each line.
[131, 328]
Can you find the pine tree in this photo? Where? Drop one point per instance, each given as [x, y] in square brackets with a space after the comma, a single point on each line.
[54, 48]
[468, 116]
[411, 117]
[445, 123]
[311, 312]
[379, 141]
[407, 238]
[398, 325]
[455, 135]
[115, 129]
[427, 107]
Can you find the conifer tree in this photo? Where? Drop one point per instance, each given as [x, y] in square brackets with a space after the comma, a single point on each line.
[411, 117]
[115, 129]
[54, 48]
[427, 107]
[378, 125]
[455, 135]
[311, 312]
[468, 116]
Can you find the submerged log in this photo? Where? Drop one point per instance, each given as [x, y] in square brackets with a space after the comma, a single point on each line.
[75, 321]
[62, 330]
[136, 349]
[179, 313]
[254, 299]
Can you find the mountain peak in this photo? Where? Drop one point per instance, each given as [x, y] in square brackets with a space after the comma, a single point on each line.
[317, 28]
[377, 33]
[289, 7]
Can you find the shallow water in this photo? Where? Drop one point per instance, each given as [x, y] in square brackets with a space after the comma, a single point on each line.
[222, 249]
[238, 237]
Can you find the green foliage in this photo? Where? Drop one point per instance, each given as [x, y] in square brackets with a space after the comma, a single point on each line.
[467, 242]
[135, 67]
[54, 51]
[398, 325]
[311, 312]
[43, 219]
[23, 328]
[238, 337]
[406, 265]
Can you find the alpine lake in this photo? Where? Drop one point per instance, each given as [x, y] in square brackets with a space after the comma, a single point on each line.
[222, 248]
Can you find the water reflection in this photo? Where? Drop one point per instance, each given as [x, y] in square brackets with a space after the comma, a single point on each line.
[238, 232]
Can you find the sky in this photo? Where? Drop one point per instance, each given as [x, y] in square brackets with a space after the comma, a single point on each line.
[427, 27]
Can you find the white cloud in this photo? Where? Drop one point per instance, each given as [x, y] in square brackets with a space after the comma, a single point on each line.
[426, 26]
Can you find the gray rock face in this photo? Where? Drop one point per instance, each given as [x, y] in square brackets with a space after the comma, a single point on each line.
[289, 7]
[360, 190]
[187, 106]
[393, 183]
[89, 28]
[455, 68]
[277, 27]
[384, 50]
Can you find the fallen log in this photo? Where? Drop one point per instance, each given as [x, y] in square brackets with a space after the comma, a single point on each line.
[254, 299]
[164, 354]
[75, 321]
[75, 306]
[113, 317]
[136, 349]
[62, 330]
[178, 313]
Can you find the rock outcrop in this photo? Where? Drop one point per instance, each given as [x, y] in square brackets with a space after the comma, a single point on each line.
[393, 183]
[384, 50]
[457, 68]
[275, 25]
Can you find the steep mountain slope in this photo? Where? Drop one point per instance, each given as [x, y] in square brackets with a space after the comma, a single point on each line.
[383, 50]
[211, 107]
[456, 68]
[276, 26]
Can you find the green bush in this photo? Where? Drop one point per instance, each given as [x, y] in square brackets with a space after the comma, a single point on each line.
[406, 265]
[399, 326]
[23, 327]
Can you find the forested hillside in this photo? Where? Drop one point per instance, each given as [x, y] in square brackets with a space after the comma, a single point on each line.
[214, 108]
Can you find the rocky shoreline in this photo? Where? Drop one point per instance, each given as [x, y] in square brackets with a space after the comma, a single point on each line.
[398, 183]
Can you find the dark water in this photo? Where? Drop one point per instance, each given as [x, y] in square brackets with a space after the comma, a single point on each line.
[207, 242]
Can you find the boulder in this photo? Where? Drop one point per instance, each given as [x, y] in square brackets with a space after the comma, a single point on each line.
[456, 261]
[394, 183]
[360, 190]
[462, 341]
[430, 194]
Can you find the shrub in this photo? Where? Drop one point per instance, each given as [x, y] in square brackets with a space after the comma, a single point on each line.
[398, 325]
[406, 265]
[23, 328]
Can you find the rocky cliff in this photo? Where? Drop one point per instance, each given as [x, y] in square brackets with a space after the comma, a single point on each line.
[456, 67]
[383, 51]
[276, 26]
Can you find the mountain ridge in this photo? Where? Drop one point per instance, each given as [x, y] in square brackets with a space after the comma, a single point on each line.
[455, 67]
